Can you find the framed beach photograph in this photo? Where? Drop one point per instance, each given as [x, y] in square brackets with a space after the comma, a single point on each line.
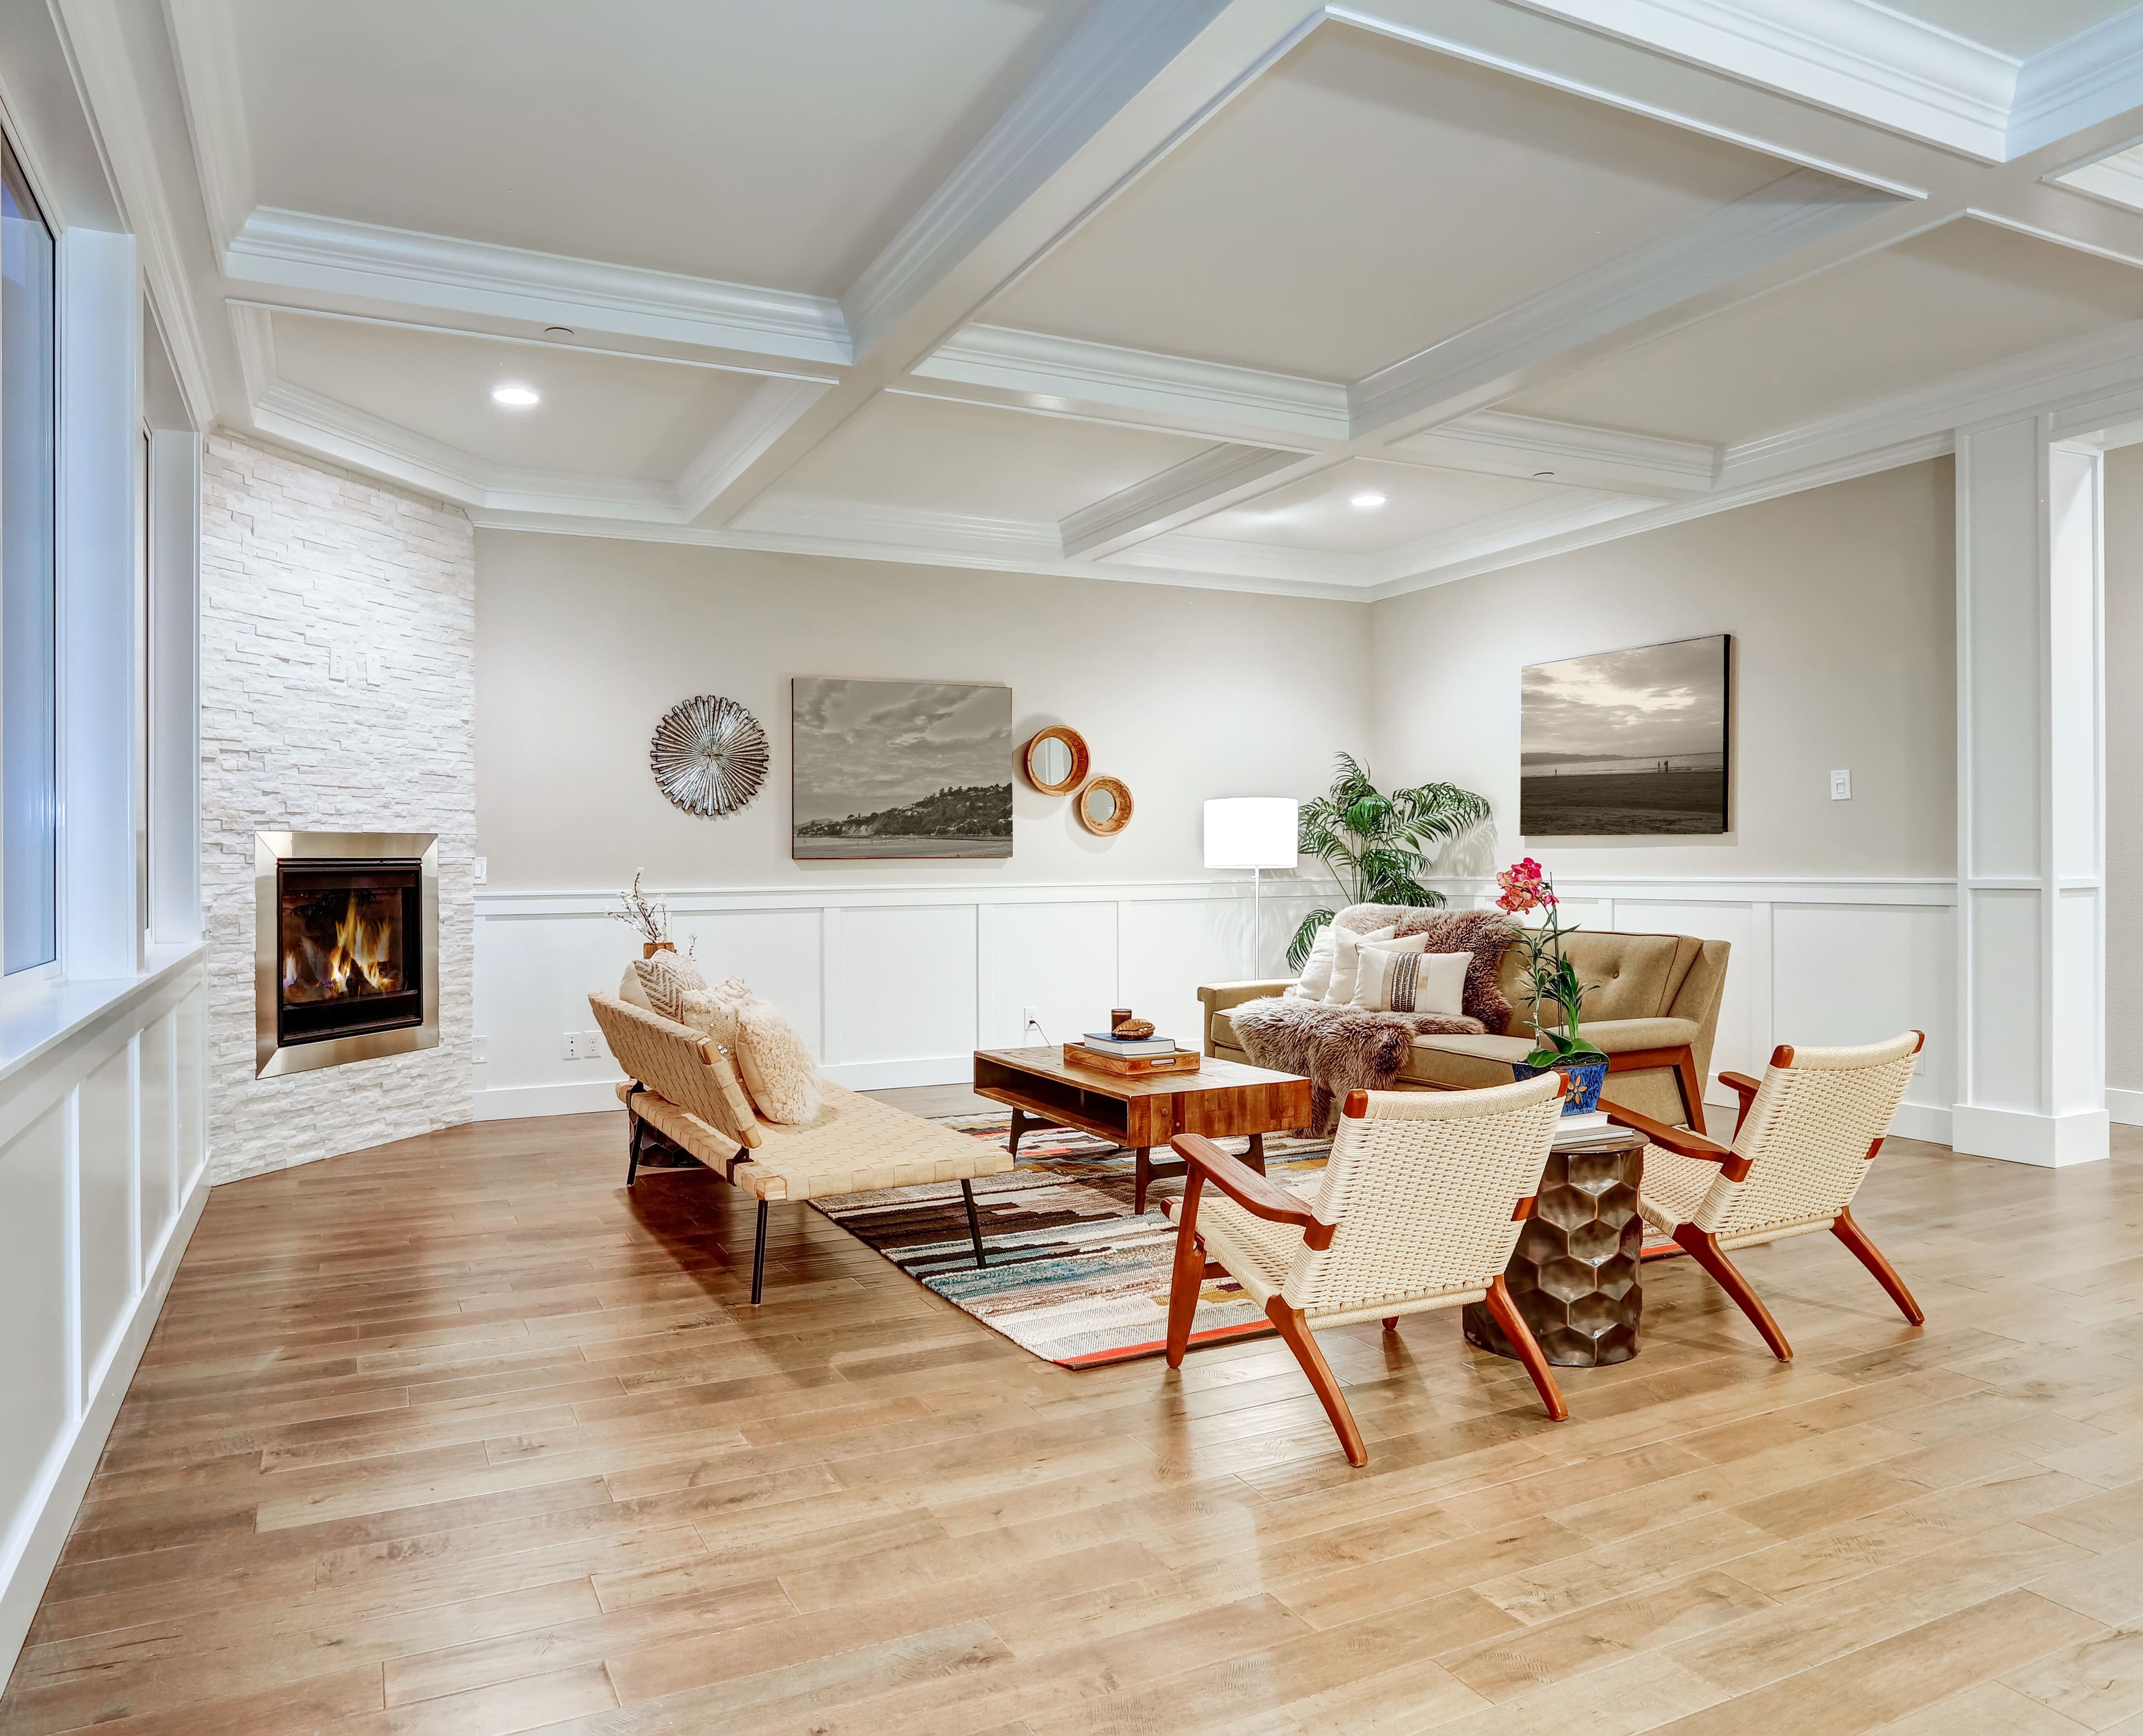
[1626, 744]
[889, 770]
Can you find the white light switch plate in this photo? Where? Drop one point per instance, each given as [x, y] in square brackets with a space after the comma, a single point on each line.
[480, 869]
[1841, 786]
[375, 669]
[337, 663]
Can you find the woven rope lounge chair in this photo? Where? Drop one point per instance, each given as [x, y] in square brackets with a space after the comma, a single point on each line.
[1418, 1208]
[1808, 1132]
[683, 1086]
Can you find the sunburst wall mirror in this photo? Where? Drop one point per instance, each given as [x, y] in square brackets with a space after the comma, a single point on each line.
[709, 755]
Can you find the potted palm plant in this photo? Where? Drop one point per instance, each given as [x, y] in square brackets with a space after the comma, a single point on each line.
[1377, 845]
[1527, 887]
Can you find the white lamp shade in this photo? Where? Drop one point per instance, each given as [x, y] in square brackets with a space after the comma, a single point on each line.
[1251, 832]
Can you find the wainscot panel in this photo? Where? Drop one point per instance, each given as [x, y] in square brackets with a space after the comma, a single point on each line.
[103, 1165]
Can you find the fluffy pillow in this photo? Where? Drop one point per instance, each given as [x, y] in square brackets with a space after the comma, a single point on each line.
[1393, 982]
[1346, 959]
[778, 1069]
[629, 990]
[1316, 969]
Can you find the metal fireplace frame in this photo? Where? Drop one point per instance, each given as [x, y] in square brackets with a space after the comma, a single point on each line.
[271, 1055]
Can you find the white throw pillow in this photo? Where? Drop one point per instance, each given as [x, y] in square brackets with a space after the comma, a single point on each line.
[665, 980]
[1316, 969]
[777, 1068]
[629, 989]
[1394, 981]
[1346, 946]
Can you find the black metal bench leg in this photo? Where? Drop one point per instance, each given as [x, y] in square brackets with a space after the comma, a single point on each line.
[974, 1224]
[633, 1149]
[759, 1258]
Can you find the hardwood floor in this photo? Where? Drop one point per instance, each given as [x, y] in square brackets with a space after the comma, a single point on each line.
[454, 1437]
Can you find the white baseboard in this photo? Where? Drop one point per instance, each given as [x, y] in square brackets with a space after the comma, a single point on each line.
[882, 1075]
[23, 1580]
[516, 1102]
[2019, 1137]
[2126, 1107]
[1921, 1121]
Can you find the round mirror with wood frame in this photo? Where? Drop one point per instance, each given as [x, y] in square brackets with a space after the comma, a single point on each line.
[1105, 807]
[1055, 761]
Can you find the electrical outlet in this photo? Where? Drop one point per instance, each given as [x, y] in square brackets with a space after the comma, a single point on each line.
[479, 1048]
[480, 869]
[1841, 786]
[337, 663]
[375, 669]
[592, 1045]
[573, 1045]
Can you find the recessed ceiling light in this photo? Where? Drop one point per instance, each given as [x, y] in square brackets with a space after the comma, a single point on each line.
[1367, 502]
[1542, 476]
[514, 397]
[557, 331]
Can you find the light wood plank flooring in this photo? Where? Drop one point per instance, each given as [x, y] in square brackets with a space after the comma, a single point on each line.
[454, 1437]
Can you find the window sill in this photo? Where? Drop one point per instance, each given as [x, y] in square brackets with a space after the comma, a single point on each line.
[37, 1020]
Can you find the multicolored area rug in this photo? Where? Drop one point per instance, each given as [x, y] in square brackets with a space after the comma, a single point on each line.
[1073, 1275]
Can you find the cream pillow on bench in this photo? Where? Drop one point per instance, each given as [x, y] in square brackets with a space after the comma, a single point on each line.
[771, 1057]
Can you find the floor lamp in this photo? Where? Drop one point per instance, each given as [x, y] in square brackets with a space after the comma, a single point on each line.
[1256, 832]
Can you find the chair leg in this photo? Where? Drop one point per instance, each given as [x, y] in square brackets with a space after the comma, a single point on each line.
[1184, 1284]
[1296, 1332]
[1521, 1335]
[759, 1258]
[1391, 1322]
[974, 1224]
[1870, 1256]
[1705, 1249]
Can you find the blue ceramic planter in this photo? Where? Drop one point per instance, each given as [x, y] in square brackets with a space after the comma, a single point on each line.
[1586, 1078]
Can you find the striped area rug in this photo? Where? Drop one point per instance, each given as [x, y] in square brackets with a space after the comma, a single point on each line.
[1073, 1275]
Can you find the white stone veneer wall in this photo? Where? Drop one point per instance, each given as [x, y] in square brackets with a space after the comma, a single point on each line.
[298, 560]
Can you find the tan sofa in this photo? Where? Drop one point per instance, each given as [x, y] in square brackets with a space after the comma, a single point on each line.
[683, 1094]
[1654, 1014]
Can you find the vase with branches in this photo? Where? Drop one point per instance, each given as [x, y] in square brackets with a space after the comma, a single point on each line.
[1378, 847]
[647, 914]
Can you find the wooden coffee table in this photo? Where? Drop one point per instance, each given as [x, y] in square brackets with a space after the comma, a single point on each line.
[1223, 1098]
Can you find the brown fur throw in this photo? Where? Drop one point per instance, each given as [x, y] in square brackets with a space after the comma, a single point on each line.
[1342, 1049]
[1337, 1049]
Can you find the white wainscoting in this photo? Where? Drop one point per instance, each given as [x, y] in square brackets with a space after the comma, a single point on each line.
[896, 986]
[102, 1160]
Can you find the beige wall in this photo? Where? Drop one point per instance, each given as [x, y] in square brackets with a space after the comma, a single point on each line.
[582, 644]
[2124, 769]
[1841, 601]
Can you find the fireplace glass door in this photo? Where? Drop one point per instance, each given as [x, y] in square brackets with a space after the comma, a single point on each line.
[351, 942]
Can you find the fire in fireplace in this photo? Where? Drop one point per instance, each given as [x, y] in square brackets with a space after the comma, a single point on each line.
[346, 927]
[351, 948]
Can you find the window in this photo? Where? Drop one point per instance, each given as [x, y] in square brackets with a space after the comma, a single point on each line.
[29, 795]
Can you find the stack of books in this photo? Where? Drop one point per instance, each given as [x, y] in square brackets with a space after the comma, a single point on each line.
[1102, 1043]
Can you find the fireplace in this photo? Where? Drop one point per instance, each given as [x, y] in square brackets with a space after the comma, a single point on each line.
[346, 945]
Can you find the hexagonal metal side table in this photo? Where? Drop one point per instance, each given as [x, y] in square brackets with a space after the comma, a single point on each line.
[1574, 1272]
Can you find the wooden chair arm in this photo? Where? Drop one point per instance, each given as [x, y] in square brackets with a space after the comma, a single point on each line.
[1680, 1140]
[1257, 1196]
[1745, 1088]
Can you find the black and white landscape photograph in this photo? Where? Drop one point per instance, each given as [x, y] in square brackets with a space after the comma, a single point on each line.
[1626, 744]
[900, 769]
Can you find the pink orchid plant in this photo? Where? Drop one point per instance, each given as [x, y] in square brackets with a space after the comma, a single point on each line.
[1526, 887]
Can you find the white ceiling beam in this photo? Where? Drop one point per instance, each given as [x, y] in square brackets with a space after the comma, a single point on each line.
[2088, 79]
[374, 267]
[1775, 232]
[205, 46]
[1203, 484]
[1135, 77]
[1498, 444]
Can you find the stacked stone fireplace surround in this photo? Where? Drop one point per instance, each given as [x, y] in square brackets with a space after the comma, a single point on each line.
[300, 562]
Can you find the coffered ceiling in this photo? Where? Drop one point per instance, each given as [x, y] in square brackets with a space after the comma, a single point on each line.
[1246, 293]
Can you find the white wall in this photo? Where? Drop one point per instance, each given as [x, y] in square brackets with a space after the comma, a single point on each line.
[1841, 601]
[299, 561]
[2124, 783]
[895, 970]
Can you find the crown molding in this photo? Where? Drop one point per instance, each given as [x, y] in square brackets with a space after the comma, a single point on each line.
[1503, 444]
[1859, 59]
[302, 251]
[2090, 77]
[770, 412]
[1038, 366]
[2117, 179]
[1202, 484]
[1612, 303]
[204, 51]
